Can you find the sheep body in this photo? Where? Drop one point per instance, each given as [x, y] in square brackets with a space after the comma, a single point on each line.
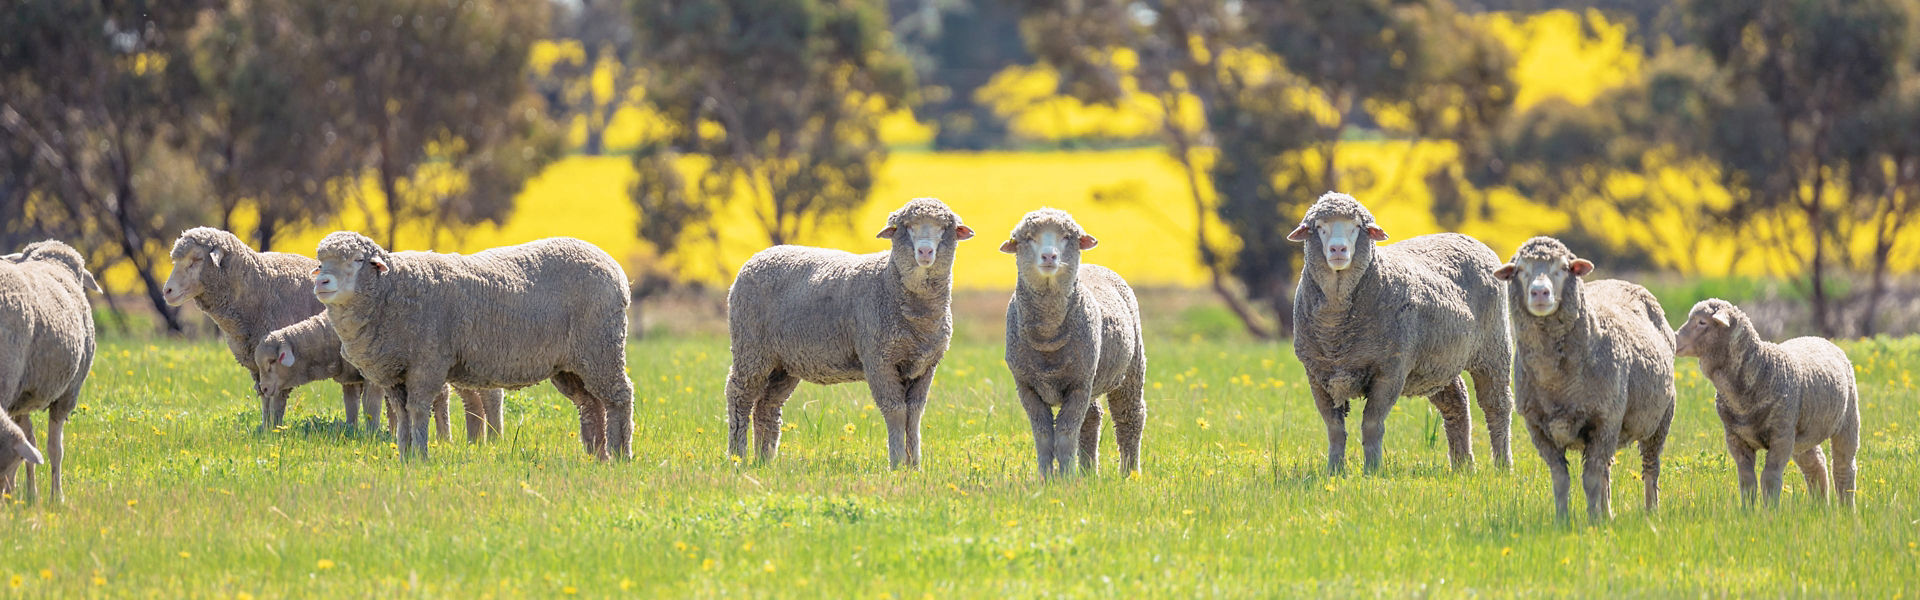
[1783, 398]
[1403, 319]
[1593, 370]
[46, 350]
[797, 313]
[309, 351]
[1073, 334]
[248, 295]
[552, 309]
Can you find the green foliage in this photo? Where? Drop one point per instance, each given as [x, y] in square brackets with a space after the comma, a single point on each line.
[172, 493]
[782, 97]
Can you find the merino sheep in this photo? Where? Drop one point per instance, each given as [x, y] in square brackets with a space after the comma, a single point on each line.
[1381, 322]
[249, 294]
[1593, 369]
[552, 309]
[46, 350]
[826, 316]
[1073, 333]
[15, 449]
[309, 351]
[1784, 398]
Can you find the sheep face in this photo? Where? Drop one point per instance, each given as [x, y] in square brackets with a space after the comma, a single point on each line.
[190, 263]
[924, 233]
[1340, 230]
[346, 260]
[1048, 244]
[15, 449]
[275, 363]
[1543, 275]
[1707, 327]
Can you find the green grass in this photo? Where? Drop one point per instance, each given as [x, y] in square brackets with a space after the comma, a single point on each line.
[172, 494]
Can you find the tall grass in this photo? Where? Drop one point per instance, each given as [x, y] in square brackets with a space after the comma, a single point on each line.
[172, 493]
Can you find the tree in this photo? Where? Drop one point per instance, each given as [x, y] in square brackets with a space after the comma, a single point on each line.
[572, 86]
[87, 92]
[437, 94]
[1277, 85]
[956, 47]
[781, 97]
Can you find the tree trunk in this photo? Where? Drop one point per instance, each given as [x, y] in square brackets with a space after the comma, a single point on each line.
[1208, 257]
[265, 232]
[133, 244]
[1817, 267]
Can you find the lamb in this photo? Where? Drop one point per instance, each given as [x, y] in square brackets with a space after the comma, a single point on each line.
[826, 316]
[1381, 322]
[46, 350]
[1073, 333]
[1593, 370]
[510, 317]
[309, 351]
[1784, 398]
[249, 294]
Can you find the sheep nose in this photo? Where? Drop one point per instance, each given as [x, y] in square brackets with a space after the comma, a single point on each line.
[1337, 248]
[1050, 257]
[1539, 292]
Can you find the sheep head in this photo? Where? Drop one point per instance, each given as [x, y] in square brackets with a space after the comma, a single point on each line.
[199, 252]
[1341, 230]
[349, 262]
[924, 233]
[1546, 272]
[1048, 243]
[1710, 325]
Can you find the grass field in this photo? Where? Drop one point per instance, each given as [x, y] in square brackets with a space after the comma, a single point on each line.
[172, 494]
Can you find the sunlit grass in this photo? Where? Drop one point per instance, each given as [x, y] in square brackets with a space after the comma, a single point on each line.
[171, 493]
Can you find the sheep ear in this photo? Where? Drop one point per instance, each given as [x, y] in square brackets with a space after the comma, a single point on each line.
[1376, 233]
[1300, 233]
[1505, 272]
[886, 234]
[1580, 267]
[87, 281]
[217, 255]
[1087, 242]
[379, 264]
[286, 357]
[1724, 318]
[961, 233]
[1010, 247]
[15, 257]
[26, 451]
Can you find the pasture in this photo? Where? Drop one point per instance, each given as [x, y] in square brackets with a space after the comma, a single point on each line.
[172, 493]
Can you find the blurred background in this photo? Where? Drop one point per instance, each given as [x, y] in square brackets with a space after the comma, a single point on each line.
[1763, 151]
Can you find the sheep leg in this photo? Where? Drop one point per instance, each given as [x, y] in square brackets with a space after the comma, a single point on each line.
[442, 430]
[1335, 416]
[396, 401]
[766, 415]
[1596, 478]
[1743, 456]
[1129, 407]
[1650, 450]
[474, 404]
[426, 390]
[1846, 444]
[496, 416]
[1813, 468]
[1090, 439]
[615, 394]
[1773, 472]
[350, 401]
[1040, 417]
[1496, 406]
[371, 399]
[593, 424]
[890, 396]
[1556, 459]
[916, 408]
[744, 392]
[1457, 418]
[30, 490]
[266, 409]
[1066, 428]
[57, 445]
[280, 407]
[1373, 419]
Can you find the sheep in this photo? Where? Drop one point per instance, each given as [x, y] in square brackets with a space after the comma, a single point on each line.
[1073, 333]
[15, 449]
[309, 351]
[46, 350]
[1593, 370]
[826, 316]
[1784, 398]
[249, 294]
[1381, 322]
[510, 317]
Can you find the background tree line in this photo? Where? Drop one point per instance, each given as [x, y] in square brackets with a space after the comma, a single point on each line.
[281, 113]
